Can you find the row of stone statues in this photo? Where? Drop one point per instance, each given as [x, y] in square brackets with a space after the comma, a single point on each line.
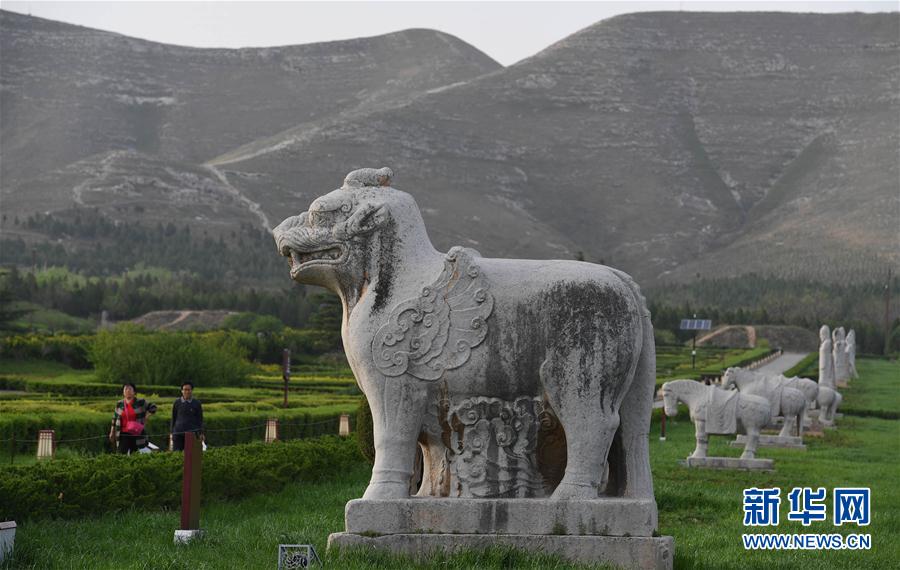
[837, 357]
[734, 406]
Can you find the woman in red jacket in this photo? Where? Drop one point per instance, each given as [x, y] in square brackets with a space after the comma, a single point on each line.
[127, 431]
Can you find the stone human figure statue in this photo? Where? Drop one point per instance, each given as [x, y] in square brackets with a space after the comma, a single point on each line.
[826, 358]
[851, 353]
[839, 349]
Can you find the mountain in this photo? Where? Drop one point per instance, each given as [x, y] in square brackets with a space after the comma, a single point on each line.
[135, 120]
[668, 144]
[671, 145]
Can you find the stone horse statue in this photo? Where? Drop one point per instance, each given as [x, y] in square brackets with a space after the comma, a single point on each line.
[467, 357]
[822, 397]
[809, 388]
[788, 402]
[718, 412]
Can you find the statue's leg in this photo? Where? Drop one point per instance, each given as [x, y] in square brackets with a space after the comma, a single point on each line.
[588, 416]
[397, 411]
[435, 467]
[788, 427]
[702, 439]
[790, 420]
[635, 421]
[752, 443]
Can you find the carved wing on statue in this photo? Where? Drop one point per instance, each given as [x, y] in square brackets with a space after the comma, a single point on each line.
[437, 330]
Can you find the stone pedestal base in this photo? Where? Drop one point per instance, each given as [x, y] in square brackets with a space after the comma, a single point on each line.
[790, 441]
[730, 463]
[7, 538]
[607, 517]
[186, 536]
[624, 552]
[615, 531]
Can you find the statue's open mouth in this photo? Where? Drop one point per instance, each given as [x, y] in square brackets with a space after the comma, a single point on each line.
[300, 260]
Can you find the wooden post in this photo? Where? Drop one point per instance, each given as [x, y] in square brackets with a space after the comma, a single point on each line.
[344, 427]
[286, 372]
[190, 485]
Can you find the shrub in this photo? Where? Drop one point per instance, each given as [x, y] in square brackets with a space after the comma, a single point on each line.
[79, 487]
[364, 431]
[70, 350]
[158, 359]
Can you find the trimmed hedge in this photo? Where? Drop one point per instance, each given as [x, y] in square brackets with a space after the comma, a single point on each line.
[76, 389]
[807, 368]
[87, 430]
[83, 487]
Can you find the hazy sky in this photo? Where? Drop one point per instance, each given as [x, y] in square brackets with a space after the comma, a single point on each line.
[507, 31]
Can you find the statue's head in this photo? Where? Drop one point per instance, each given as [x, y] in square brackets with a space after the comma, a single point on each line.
[337, 242]
[729, 378]
[838, 334]
[670, 400]
[824, 333]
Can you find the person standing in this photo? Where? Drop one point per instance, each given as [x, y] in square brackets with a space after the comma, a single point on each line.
[127, 431]
[187, 416]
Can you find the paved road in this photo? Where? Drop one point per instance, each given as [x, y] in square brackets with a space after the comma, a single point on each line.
[783, 363]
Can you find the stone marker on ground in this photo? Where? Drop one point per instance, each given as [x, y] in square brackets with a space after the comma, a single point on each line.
[715, 411]
[505, 372]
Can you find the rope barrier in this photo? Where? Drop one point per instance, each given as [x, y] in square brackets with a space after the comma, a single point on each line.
[12, 441]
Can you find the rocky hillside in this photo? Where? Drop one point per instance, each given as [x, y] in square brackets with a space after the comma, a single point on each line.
[668, 144]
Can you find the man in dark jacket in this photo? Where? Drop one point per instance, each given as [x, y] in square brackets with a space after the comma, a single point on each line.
[187, 416]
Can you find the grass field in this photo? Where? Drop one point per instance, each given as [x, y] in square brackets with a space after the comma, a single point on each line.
[701, 509]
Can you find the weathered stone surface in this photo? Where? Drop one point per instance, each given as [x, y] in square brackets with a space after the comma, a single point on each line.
[730, 463]
[716, 411]
[604, 517]
[655, 553]
[470, 357]
[790, 441]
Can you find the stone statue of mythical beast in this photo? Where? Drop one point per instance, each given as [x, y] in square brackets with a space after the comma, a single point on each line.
[471, 357]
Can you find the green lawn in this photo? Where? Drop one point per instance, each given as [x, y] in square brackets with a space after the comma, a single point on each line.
[700, 508]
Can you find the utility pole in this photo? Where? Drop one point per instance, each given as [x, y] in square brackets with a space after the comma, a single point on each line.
[887, 313]
[286, 372]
